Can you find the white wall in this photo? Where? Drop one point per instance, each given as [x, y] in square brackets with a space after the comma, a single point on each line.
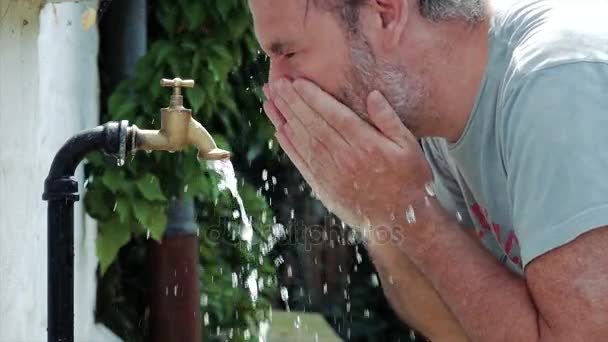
[48, 92]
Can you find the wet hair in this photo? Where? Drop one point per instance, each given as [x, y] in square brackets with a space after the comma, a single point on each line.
[471, 11]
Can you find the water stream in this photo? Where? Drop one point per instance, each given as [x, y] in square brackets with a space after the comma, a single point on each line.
[228, 182]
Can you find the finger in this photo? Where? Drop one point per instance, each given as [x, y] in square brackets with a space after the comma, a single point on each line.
[341, 118]
[299, 162]
[300, 136]
[316, 155]
[309, 143]
[273, 114]
[382, 115]
[305, 117]
[266, 91]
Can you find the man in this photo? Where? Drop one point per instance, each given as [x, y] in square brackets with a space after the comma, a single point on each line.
[510, 102]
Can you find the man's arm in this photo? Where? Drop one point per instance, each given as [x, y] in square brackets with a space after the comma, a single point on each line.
[564, 296]
[411, 295]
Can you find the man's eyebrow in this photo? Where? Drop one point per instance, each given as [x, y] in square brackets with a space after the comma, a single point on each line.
[279, 47]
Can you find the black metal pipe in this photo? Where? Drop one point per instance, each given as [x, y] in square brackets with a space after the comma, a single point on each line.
[61, 191]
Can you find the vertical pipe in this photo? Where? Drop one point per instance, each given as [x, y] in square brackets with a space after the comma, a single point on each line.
[61, 270]
[174, 264]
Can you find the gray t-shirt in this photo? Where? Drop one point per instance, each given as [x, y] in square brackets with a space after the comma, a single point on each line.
[530, 171]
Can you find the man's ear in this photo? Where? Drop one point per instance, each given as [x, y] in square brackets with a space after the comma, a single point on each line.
[394, 15]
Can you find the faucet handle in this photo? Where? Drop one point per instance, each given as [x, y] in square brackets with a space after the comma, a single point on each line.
[177, 83]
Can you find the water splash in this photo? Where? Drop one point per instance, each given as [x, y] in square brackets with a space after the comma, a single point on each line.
[252, 284]
[228, 181]
[410, 215]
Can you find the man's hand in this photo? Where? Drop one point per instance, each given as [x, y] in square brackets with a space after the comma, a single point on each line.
[366, 175]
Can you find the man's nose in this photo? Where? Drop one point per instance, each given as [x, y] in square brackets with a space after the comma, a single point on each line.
[277, 71]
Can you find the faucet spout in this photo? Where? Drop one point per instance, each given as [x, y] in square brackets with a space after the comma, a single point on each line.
[178, 129]
[207, 149]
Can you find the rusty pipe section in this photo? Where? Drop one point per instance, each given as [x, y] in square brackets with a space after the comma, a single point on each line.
[178, 129]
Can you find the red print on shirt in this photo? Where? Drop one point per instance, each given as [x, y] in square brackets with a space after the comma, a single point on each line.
[490, 227]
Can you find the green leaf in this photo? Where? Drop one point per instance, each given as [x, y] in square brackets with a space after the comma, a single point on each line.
[196, 63]
[123, 208]
[149, 186]
[224, 6]
[142, 210]
[126, 109]
[157, 223]
[111, 237]
[113, 179]
[164, 48]
[196, 96]
[239, 24]
[96, 203]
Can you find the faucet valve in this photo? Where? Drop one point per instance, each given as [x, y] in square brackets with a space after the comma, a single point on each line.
[177, 84]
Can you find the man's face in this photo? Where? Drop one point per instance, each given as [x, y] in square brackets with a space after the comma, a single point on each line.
[304, 41]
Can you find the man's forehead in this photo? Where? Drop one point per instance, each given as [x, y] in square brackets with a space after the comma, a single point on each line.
[278, 23]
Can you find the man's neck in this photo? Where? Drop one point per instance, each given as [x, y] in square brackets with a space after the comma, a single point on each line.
[457, 79]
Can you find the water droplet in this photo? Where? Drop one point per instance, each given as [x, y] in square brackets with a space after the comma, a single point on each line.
[270, 144]
[375, 281]
[186, 188]
[412, 335]
[347, 306]
[458, 216]
[264, 174]
[430, 189]
[266, 186]
[366, 313]
[206, 319]
[235, 280]
[325, 288]
[252, 284]
[204, 300]
[284, 294]
[115, 206]
[171, 151]
[274, 180]
[340, 268]
[410, 216]
[390, 280]
[120, 161]
[148, 151]
[296, 323]
[246, 334]
[292, 214]
[289, 273]
[175, 290]
[236, 214]
[147, 234]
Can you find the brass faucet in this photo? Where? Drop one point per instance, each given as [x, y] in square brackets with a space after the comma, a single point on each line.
[178, 128]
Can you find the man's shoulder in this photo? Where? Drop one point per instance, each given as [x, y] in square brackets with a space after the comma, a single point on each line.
[542, 34]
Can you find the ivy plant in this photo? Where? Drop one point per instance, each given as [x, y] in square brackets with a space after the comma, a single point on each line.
[192, 41]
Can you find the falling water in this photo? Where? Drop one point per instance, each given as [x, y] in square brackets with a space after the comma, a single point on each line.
[228, 181]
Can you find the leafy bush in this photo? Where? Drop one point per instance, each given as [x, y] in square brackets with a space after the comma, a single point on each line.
[192, 41]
